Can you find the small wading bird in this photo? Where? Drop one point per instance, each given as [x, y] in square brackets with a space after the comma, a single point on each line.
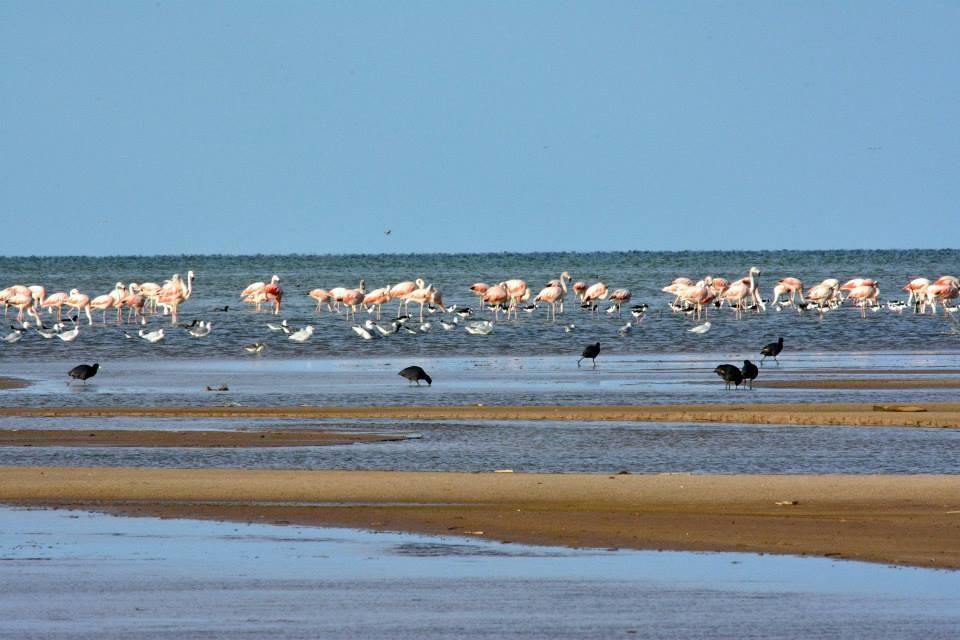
[255, 347]
[416, 374]
[772, 350]
[590, 351]
[749, 371]
[700, 328]
[730, 374]
[83, 372]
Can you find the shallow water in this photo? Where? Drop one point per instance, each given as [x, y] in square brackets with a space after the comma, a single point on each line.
[541, 446]
[221, 278]
[80, 575]
[623, 379]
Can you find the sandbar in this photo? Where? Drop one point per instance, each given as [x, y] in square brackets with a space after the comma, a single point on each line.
[907, 520]
[927, 415]
[12, 383]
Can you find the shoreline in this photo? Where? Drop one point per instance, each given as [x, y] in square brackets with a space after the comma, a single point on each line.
[924, 414]
[903, 520]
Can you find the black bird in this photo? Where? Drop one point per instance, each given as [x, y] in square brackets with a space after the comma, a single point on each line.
[590, 351]
[416, 374]
[772, 349]
[749, 372]
[83, 372]
[730, 374]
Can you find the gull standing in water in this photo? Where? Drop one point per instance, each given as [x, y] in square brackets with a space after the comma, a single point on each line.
[302, 335]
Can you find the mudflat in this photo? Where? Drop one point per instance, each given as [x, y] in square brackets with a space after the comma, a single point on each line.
[940, 415]
[908, 520]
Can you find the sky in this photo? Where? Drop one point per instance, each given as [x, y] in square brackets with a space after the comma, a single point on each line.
[314, 127]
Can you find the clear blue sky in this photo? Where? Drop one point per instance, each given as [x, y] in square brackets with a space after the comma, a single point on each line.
[246, 127]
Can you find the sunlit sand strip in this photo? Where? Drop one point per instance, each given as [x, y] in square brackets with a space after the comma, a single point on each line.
[911, 520]
[938, 415]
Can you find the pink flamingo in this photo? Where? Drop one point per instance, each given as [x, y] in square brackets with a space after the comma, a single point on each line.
[254, 289]
[550, 295]
[321, 296]
[788, 287]
[945, 288]
[865, 294]
[402, 290]
[915, 289]
[479, 289]
[422, 296]
[23, 302]
[55, 301]
[102, 303]
[579, 288]
[496, 296]
[594, 293]
[699, 295]
[620, 297]
[80, 302]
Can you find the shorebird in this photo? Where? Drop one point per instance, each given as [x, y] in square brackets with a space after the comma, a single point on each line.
[255, 348]
[730, 374]
[749, 371]
[83, 372]
[590, 351]
[700, 328]
[416, 374]
[773, 349]
[153, 336]
[479, 327]
[302, 335]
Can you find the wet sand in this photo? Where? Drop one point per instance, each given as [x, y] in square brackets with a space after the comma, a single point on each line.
[12, 383]
[938, 415]
[908, 520]
[150, 438]
[862, 383]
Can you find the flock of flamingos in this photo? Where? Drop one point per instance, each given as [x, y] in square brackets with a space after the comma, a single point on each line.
[507, 297]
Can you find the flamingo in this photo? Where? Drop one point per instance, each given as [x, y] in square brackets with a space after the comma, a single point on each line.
[517, 290]
[595, 293]
[915, 288]
[80, 302]
[496, 296]
[134, 301]
[23, 302]
[620, 297]
[579, 288]
[274, 292]
[55, 301]
[864, 294]
[479, 289]
[377, 298]
[321, 296]
[423, 295]
[352, 298]
[823, 293]
[9, 292]
[550, 294]
[787, 287]
[37, 292]
[743, 289]
[948, 289]
[253, 290]
[403, 289]
[698, 295]
[102, 303]
[562, 283]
